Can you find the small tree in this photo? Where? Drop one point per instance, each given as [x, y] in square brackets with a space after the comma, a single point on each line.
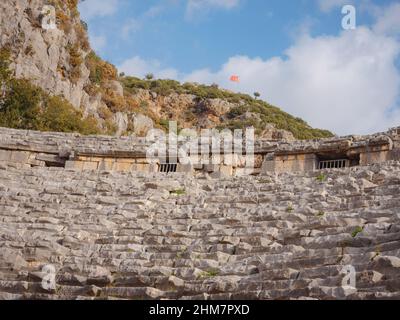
[149, 76]
[257, 95]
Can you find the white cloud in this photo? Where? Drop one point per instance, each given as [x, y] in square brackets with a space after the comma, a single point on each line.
[95, 8]
[389, 20]
[139, 67]
[154, 11]
[133, 25]
[195, 6]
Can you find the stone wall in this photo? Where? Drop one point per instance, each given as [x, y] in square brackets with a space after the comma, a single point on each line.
[31, 159]
[105, 153]
[111, 164]
[365, 150]
[291, 163]
[377, 154]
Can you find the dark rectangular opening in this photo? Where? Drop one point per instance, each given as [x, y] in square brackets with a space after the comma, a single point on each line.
[333, 160]
[54, 164]
[337, 160]
[355, 160]
[332, 164]
[168, 167]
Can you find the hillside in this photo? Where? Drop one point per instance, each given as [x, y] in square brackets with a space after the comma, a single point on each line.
[46, 64]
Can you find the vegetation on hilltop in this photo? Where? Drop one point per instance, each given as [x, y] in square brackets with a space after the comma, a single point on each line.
[263, 112]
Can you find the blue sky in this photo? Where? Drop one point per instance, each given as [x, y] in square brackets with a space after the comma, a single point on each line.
[294, 52]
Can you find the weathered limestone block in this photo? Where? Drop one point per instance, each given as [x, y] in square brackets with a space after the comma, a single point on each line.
[142, 161]
[19, 156]
[5, 155]
[234, 160]
[185, 168]
[74, 165]
[241, 172]
[211, 168]
[106, 164]
[226, 170]
[394, 154]
[295, 163]
[372, 157]
[143, 167]
[142, 124]
[268, 166]
[34, 162]
[122, 166]
[90, 165]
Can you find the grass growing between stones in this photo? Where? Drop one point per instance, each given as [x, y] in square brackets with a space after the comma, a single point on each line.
[378, 251]
[289, 209]
[264, 181]
[181, 253]
[179, 192]
[209, 274]
[321, 214]
[357, 231]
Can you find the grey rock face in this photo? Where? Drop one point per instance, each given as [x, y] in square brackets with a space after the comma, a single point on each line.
[121, 121]
[142, 124]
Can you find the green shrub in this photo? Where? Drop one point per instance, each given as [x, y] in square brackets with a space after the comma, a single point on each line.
[131, 84]
[149, 76]
[58, 115]
[28, 107]
[100, 71]
[20, 105]
[164, 124]
[5, 73]
[321, 177]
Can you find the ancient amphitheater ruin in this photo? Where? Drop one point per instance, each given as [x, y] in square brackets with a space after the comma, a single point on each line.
[92, 214]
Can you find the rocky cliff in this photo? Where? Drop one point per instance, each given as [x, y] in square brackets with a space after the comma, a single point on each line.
[57, 60]
[61, 62]
[46, 56]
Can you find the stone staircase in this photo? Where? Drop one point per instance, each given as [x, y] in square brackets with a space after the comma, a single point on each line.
[156, 236]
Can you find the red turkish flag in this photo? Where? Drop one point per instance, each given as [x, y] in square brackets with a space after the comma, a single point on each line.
[235, 78]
